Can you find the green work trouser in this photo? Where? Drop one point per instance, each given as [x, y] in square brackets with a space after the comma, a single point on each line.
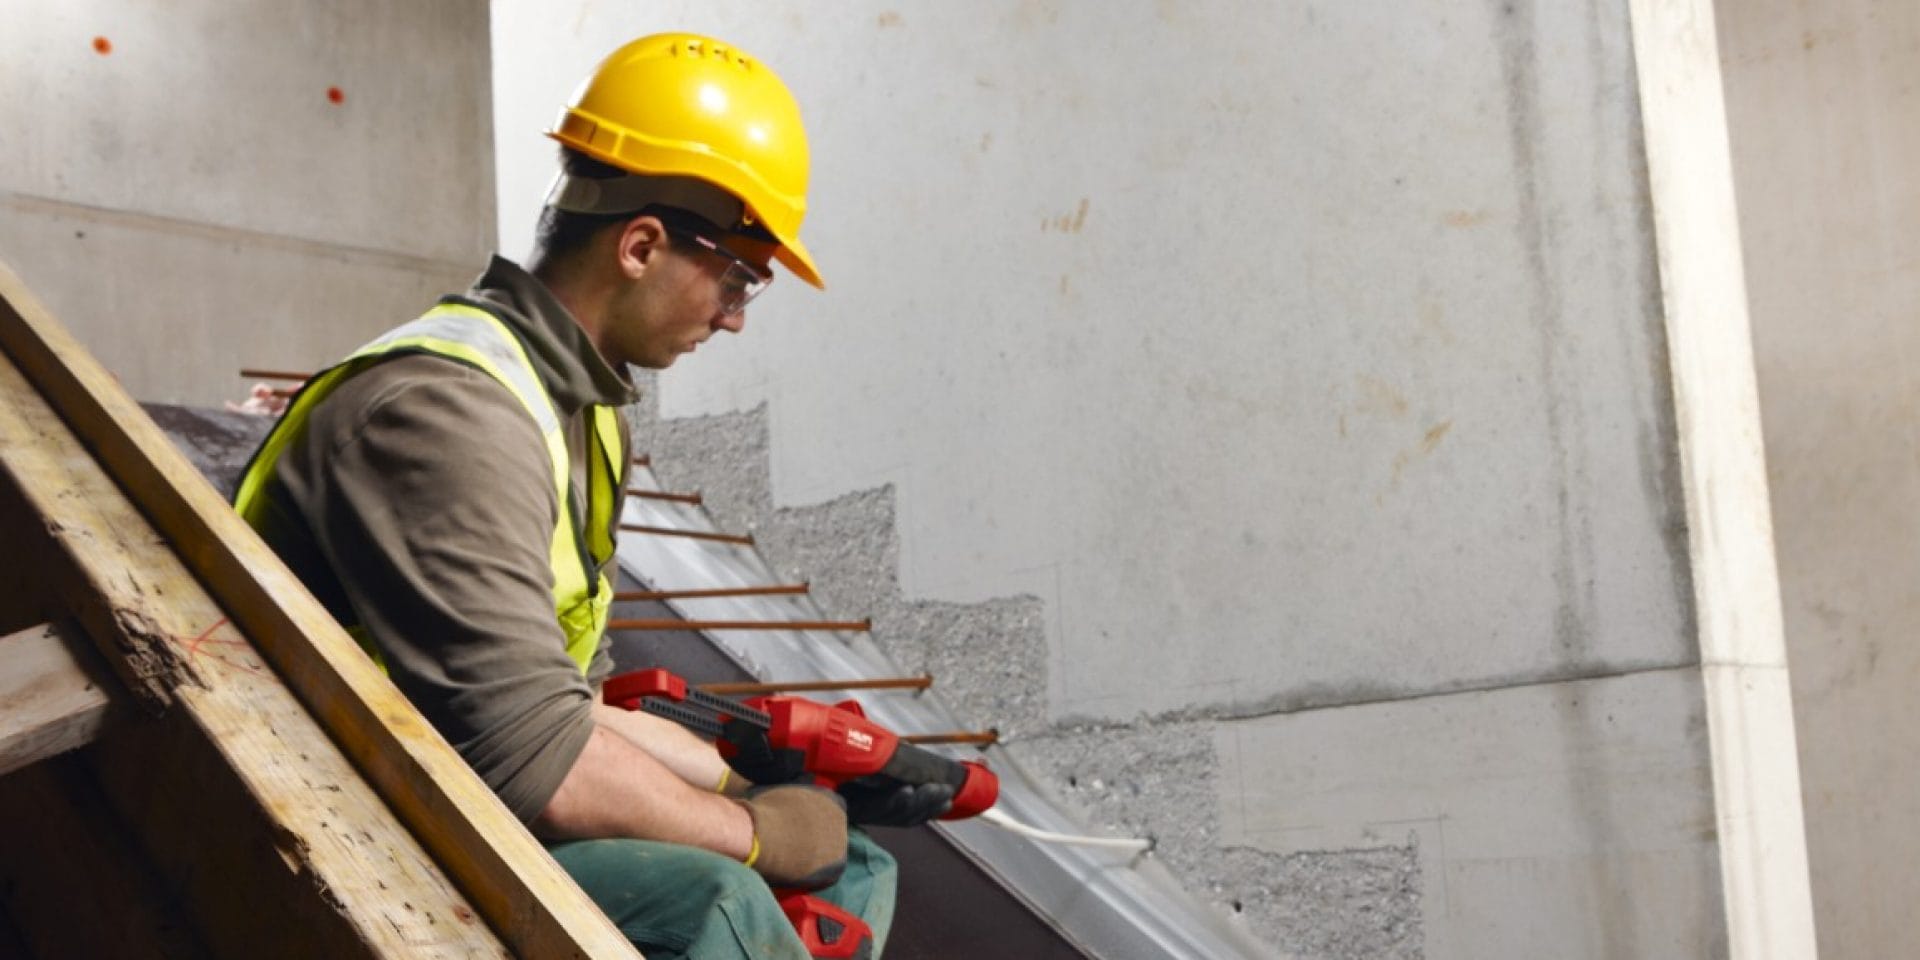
[676, 901]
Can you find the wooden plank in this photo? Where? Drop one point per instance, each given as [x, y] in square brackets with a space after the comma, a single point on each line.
[534, 905]
[202, 827]
[331, 866]
[51, 698]
[72, 880]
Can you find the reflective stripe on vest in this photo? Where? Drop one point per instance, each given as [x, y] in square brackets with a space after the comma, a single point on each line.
[469, 335]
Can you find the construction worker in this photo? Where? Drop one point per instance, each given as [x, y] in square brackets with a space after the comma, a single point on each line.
[452, 492]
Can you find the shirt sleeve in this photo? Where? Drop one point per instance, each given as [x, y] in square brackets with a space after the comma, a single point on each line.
[429, 493]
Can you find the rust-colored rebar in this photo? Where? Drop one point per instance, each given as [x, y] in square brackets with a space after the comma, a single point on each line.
[777, 589]
[740, 625]
[985, 738]
[272, 375]
[920, 682]
[643, 460]
[692, 498]
[743, 539]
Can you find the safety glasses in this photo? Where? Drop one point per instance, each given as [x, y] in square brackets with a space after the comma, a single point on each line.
[741, 282]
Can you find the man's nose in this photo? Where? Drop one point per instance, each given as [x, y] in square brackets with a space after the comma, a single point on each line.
[731, 322]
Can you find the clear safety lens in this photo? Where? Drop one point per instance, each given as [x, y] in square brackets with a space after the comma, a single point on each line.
[741, 282]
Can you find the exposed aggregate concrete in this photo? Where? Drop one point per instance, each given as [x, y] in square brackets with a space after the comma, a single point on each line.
[1152, 777]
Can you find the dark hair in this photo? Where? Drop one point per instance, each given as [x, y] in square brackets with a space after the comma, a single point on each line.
[560, 234]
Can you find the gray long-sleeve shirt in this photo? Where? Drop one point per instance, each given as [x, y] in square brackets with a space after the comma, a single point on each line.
[419, 503]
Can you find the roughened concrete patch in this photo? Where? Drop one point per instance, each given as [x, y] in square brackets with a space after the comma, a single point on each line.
[1149, 778]
[988, 659]
[1157, 780]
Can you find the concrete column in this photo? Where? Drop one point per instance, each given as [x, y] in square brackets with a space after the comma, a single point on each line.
[1743, 663]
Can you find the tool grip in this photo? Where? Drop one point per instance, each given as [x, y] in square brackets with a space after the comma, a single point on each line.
[827, 931]
[975, 788]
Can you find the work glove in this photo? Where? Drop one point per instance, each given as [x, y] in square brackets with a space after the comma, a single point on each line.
[885, 802]
[799, 835]
[756, 759]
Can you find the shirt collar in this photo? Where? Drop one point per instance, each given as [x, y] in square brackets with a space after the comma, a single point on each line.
[569, 365]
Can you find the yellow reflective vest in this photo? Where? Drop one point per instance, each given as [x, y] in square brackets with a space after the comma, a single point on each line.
[470, 335]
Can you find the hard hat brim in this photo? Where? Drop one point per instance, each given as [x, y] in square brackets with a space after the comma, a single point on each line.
[794, 256]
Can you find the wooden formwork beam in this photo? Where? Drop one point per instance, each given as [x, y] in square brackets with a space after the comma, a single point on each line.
[216, 654]
[276, 844]
[51, 696]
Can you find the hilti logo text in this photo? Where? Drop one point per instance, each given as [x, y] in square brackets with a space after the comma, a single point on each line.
[860, 740]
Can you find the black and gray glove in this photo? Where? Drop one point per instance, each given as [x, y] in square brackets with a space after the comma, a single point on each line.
[886, 802]
[755, 758]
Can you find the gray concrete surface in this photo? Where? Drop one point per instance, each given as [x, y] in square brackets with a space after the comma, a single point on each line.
[1187, 370]
[1199, 386]
[1824, 110]
[191, 201]
[1320, 305]
[1585, 802]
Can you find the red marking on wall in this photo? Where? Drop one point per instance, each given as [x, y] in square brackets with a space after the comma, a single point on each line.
[102, 46]
[336, 95]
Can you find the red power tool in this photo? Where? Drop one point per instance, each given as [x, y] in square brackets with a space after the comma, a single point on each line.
[832, 744]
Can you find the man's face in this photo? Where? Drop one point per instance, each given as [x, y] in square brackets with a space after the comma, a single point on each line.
[680, 302]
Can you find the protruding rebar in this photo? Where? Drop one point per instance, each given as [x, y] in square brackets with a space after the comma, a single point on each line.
[778, 589]
[920, 682]
[643, 461]
[743, 539]
[861, 625]
[692, 498]
[249, 374]
[985, 738]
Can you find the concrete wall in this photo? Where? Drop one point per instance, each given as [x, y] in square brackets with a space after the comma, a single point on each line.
[1824, 103]
[178, 185]
[1304, 367]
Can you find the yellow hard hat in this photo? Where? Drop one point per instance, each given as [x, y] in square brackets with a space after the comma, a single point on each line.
[680, 105]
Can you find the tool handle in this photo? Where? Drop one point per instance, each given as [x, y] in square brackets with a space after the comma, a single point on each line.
[829, 932]
[975, 788]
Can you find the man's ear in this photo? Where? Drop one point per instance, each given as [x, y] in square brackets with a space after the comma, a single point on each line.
[642, 239]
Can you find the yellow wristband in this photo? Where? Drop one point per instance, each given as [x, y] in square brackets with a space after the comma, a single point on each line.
[753, 853]
[725, 774]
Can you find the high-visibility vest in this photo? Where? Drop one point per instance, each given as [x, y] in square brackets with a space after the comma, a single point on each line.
[470, 335]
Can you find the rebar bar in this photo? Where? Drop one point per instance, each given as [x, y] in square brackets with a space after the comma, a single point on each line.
[985, 738]
[745, 540]
[777, 589]
[920, 682]
[692, 498]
